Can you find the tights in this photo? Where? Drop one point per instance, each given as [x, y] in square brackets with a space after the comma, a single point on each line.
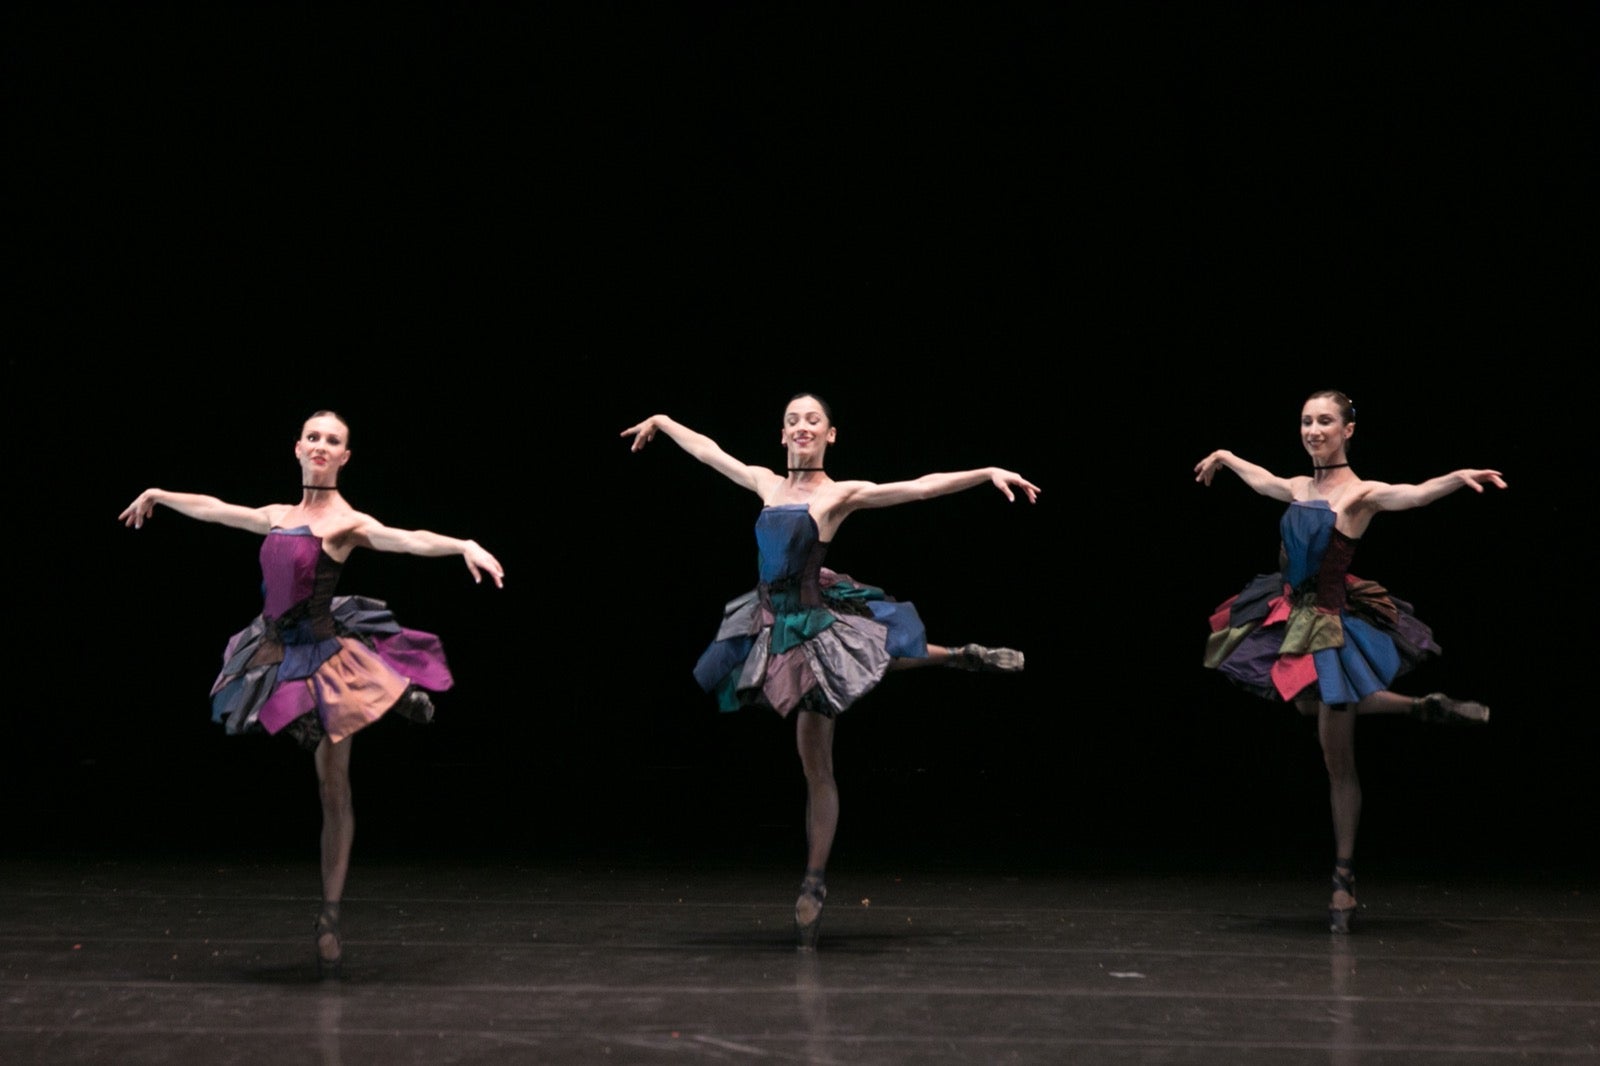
[1336, 731]
[814, 740]
[338, 830]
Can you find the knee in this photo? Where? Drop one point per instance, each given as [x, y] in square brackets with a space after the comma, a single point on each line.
[819, 772]
[1341, 765]
[335, 792]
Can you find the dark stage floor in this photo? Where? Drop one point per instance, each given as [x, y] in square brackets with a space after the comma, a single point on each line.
[605, 959]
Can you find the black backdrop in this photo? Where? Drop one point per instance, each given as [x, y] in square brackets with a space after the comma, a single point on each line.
[1089, 243]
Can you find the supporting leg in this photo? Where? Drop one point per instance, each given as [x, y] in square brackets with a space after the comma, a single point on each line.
[814, 739]
[1336, 729]
[338, 833]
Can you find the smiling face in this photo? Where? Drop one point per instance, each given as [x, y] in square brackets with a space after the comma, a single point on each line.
[323, 448]
[807, 431]
[1323, 430]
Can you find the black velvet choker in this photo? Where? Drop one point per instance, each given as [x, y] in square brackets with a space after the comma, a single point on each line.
[322, 488]
[1330, 466]
[807, 470]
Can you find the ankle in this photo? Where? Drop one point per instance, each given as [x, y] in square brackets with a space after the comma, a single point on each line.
[1437, 707]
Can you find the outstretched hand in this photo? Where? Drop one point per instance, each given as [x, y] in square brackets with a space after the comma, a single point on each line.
[1004, 480]
[642, 434]
[1477, 479]
[480, 561]
[1206, 469]
[143, 506]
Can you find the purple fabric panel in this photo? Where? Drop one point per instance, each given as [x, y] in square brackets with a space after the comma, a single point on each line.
[289, 702]
[288, 568]
[1250, 665]
[416, 656]
[1417, 635]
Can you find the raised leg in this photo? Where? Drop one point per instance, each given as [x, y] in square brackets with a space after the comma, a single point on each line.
[973, 657]
[1434, 707]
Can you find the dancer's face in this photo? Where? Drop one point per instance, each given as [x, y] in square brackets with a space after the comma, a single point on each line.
[806, 429]
[323, 446]
[1323, 431]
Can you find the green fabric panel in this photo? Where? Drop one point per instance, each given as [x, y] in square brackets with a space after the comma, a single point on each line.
[727, 693]
[796, 627]
[792, 623]
[851, 593]
[1311, 629]
[1220, 644]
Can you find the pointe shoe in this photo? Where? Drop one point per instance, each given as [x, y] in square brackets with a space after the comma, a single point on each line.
[1341, 919]
[1437, 707]
[808, 910]
[330, 949]
[986, 660]
[416, 705]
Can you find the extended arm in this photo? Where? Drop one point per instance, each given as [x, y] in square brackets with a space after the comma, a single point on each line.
[1258, 478]
[860, 495]
[195, 505]
[375, 535]
[702, 448]
[1385, 497]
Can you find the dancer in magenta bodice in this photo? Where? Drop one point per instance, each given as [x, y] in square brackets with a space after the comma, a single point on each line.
[315, 666]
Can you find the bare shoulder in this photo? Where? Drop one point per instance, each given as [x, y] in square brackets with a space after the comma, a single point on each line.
[274, 513]
[345, 530]
[354, 521]
[1300, 487]
[1360, 498]
[762, 478]
[847, 494]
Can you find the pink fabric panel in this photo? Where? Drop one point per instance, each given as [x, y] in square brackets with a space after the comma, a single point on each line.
[1291, 673]
[789, 677]
[355, 688]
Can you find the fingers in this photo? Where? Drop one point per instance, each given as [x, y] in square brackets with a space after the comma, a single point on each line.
[1005, 483]
[641, 434]
[492, 565]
